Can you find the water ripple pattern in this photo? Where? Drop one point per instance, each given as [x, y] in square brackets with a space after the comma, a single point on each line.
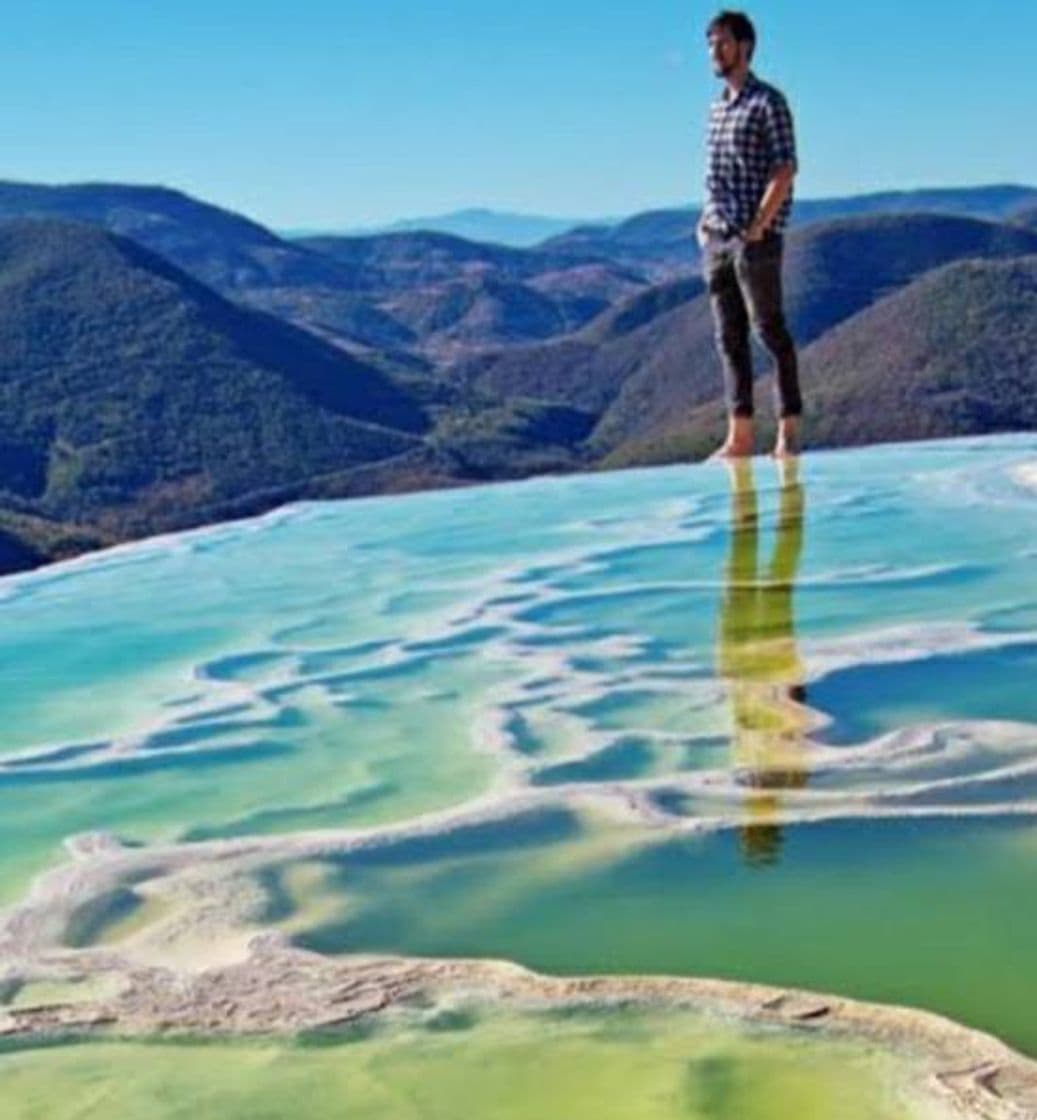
[708, 644]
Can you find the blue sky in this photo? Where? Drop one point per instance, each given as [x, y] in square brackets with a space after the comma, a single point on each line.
[334, 114]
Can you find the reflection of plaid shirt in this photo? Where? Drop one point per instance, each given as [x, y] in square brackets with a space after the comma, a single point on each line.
[749, 136]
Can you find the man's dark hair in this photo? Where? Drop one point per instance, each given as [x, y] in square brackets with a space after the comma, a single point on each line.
[738, 24]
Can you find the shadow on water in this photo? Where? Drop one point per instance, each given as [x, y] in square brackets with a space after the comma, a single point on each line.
[759, 660]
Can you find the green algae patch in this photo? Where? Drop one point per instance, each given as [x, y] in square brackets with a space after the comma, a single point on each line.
[626, 1064]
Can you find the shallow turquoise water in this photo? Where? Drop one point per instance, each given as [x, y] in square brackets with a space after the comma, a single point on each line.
[990, 685]
[356, 664]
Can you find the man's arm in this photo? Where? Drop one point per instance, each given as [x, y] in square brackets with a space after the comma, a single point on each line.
[781, 146]
[773, 198]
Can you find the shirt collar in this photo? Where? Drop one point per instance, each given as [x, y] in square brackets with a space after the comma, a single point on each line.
[751, 82]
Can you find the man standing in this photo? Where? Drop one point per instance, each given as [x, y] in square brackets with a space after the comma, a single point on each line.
[752, 162]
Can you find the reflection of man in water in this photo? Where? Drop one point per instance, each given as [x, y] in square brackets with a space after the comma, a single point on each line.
[757, 656]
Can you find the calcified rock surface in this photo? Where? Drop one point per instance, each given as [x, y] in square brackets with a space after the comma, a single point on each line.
[279, 989]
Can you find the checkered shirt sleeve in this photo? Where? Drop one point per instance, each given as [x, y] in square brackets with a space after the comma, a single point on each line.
[781, 136]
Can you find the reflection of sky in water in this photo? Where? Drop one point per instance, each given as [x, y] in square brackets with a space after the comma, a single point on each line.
[987, 684]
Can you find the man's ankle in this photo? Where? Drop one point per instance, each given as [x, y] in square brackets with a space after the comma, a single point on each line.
[740, 429]
[787, 440]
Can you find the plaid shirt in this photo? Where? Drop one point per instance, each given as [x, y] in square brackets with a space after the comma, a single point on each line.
[749, 136]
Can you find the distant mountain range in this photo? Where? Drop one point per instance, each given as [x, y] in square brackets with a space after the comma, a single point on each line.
[134, 399]
[447, 293]
[529, 230]
[217, 246]
[646, 380]
[398, 292]
[130, 393]
[473, 223]
[665, 239]
[428, 297]
[164, 363]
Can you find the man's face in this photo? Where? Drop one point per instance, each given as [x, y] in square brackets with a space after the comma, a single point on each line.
[726, 52]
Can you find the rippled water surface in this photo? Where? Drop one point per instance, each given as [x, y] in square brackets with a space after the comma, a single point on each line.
[759, 723]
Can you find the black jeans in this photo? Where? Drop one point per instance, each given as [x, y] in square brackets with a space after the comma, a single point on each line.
[744, 283]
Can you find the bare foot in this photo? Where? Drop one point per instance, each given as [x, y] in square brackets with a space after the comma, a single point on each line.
[731, 450]
[739, 443]
[787, 444]
[785, 449]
